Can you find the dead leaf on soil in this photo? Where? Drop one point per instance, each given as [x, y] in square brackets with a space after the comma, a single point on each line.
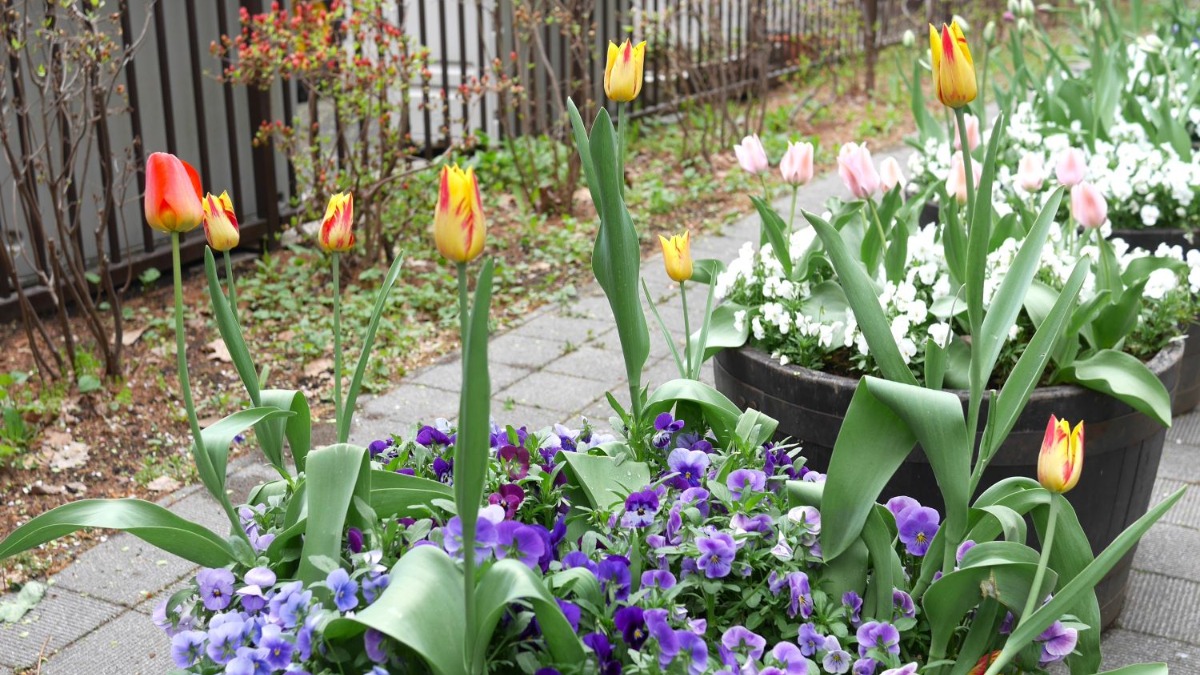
[75, 487]
[219, 351]
[318, 367]
[163, 484]
[131, 336]
[43, 489]
[62, 451]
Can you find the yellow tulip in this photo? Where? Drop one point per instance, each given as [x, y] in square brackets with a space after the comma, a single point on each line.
[458, 224]
[953, 69]
[623, 72]
[1061, 459]
[337, 228]
[220, 222]
[677, 256]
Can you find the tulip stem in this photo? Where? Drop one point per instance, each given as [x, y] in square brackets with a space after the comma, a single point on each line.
[337, 339]
[1034, 590]
[185, 386]
[469, 530]
[232, 290]
[969, 173]
[687, 328]
[792, 215]
[621, 140]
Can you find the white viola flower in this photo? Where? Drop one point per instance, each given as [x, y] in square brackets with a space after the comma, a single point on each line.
[940, 334]
[1160, 283]
[757, 327]
[739, 320]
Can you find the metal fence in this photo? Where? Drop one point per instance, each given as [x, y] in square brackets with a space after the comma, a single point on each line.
[178, 104]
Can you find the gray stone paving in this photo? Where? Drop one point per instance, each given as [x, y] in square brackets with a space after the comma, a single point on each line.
[556, 367]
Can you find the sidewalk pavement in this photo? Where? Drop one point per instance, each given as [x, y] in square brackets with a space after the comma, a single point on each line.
[556, 367]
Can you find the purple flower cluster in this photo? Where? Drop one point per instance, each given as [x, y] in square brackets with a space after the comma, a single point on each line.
[916, 524]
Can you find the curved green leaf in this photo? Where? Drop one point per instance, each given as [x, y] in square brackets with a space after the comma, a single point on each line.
[605, 481]
[145, 520]
[343, 433]
[1125, 378]
[213, 459]
[863, 299]
[472, 447]
[722, 415]
[336, 475]
[950, 598]
[297, 429]
[423, 612]
[509, 581]
[231, 332]
[886, 570]
[723, 332]
[776, 234]
[395, 494]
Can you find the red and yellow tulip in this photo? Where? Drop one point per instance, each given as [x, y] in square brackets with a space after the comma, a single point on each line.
[677, 256]
[623, 71]
[459, 228]
[337, 228]
[953, 68]
[220, 222]
[172, 194]
[1061, 459]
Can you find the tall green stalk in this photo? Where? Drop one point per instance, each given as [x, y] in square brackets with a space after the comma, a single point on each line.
[468, 523]
[184, 383]
[337, 341]
[229, 280]
[687, 328]
[975, 392]
[1043, 561]
[621, 141]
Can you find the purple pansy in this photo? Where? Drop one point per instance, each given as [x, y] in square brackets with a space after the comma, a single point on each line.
[377, 448]
[689, 467]
[917, 527]
[603, 650]
[662, 579]
[354, 540]
[345, 589]
[962, 550]
[810, 639]
[853, 604]
[216, 587]
[799, 595]
[373, 586]
[224, 640]
[613, 573]
[791, 658]
[278, 648]
[837, 660]
[716, 553]
[248, 661]
[571, 612]
[443, 470]
[665, 425]
[520, 542]
[898, 505]
[741, 639]
[187, 647]
[640, 509]
[865, 666]
[695, 497]
[694, 650]
[429, 436]
[878, 635]
[485, 538]
[579, 559]
[906, 669]
[902, 605]
[1058, 642]
[373, 645]
[745, 481]
[514, 460]
[632, 624]
[744, 524]
[508, 496]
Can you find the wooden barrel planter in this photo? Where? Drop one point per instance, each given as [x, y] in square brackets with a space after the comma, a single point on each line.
[1123, 446]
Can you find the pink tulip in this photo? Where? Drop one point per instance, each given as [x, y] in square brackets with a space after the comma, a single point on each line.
[752, 155]
[1030, 173]
[797, 164]
[857, 170]
[890, 174]
[1088, 206]
[972, 123]
[956, 182]
[1072, 167]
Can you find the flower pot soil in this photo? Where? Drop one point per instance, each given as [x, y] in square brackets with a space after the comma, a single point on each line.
[1123, 446]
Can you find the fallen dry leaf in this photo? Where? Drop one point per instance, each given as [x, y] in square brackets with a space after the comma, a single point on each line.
[163, 484]
[131, 336]
[219, 351]
[318, 367]
[62, 451]
[40, 488]
[75, 487]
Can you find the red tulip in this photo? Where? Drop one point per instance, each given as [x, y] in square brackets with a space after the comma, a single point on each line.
[172, 194]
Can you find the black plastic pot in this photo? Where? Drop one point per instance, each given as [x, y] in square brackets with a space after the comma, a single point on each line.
[1187, 394]
[1123, 446]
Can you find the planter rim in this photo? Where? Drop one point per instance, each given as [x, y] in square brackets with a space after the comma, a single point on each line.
[1161, 362]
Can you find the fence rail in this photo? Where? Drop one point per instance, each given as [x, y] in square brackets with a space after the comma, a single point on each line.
[176, 101]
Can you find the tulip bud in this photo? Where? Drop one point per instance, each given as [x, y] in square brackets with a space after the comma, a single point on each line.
[1061, 459]
[220, 222]
[1022, 25]
[796, 167]
[1071, 167]
[1027, 8]
[172, 198]
[956, 181]
[337, 228]
[623, 71]
[973, 137]
[1096, 19]
[1031, 174]
[857, 170]
[459, 228]
[752, 155]
[1088, 206]
[953, 68]
[909, 39]
[989, 32]
[1014, 6]
[890, 174]
[677, 256]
